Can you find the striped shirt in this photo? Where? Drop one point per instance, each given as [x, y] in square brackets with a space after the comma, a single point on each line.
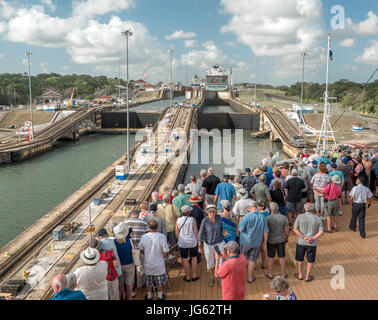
[139, 227]
[320, 181]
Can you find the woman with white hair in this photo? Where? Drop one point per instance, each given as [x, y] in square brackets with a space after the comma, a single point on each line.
[282, 289]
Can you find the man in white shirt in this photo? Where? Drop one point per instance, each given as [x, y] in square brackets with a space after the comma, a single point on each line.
[155, 248]
[359, 196]
[91, 278]
[241, 206]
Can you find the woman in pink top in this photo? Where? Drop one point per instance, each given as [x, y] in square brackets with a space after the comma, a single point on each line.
[232, 272]
[332, 192]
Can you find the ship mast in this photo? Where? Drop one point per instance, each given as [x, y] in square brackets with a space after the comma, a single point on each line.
[326, 125]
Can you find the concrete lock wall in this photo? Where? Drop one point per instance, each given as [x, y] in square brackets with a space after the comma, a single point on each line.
[210, 121]
[112, 120]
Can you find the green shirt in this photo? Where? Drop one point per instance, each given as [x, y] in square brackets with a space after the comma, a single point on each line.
[309, 224]
[180, 201]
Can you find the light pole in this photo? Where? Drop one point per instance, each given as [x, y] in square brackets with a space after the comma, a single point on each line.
[255, 83]
[127, 34]
[171, 53]
[31, 137]
[119, 81]
[304, 54]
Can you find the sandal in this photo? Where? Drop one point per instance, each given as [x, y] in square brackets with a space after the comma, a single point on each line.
[184, 278]
[211, 283]
[253, 279]
[297, 276]
[335, 229]
[268, 276]
[311, 278]
[328, 231]
[263, 267]
[285, 276]
[195, 279]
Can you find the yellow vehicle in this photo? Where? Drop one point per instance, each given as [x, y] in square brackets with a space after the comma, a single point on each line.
[72, 103]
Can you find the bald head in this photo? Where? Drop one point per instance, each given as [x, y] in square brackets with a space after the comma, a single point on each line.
[59, 283]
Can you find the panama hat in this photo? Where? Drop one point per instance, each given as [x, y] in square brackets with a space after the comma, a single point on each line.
[243, 193]
[194, 198]
[336, 179]
[90, 256]
[211, 206]
[120, 231]
[186, 208]
[257, 172]
[187, 190]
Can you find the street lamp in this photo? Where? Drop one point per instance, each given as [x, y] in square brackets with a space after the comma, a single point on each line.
[171, 53]
[31, 137]
[127, 34]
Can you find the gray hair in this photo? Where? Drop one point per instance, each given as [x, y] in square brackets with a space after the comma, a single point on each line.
[175, 193]
[181, 188]
[60, 281]
[279, 283]
[262, 178]
[166, 198]
[273, 207]
[203, 173]
[253, 204]
[232, 246]
[72, 280]
[309, 207]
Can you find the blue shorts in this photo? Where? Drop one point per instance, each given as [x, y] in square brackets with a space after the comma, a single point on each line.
[282, 210]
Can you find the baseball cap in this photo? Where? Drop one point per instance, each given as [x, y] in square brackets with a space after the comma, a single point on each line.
[249, 169]
[260, 203]
[333, 159]
[333, 165]
[345, 160]
[314, 162]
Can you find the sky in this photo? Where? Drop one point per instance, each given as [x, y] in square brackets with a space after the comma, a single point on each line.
[261, 40]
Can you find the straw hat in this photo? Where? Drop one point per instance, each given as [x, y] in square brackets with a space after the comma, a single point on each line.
[194, 198]
[120, 231]
[336, 179]
[90, 256]
[257, 172]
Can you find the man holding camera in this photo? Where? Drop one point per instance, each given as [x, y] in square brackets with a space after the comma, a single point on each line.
[232, 272]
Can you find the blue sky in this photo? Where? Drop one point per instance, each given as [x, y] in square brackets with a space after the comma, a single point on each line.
[83, 36]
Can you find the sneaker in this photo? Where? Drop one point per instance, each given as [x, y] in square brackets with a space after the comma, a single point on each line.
[162, 298]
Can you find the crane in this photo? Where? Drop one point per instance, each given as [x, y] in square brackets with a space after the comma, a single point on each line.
[72, 103]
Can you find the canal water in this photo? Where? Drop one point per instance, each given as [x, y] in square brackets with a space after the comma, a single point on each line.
[30, 189]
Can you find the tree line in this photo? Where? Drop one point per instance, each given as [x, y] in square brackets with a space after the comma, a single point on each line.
[348, 93]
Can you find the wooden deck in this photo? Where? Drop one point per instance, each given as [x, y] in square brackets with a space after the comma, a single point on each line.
[345, 248]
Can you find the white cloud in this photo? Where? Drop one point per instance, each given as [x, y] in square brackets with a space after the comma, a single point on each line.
[370, 55]
[366, 27]
[349, 42]
[6, 10]
[180, 34]
[280, 30]
[49, 4]
[205, 58]
[190, 43]
[90, 8]
[65, 68]
[230, 43]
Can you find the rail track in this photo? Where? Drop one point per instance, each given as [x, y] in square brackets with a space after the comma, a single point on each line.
[12, 266]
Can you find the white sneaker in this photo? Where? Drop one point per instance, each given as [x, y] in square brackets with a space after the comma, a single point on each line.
[340, 213]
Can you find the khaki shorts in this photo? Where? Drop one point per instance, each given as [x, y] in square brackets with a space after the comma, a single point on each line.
[128, 274]
[331, 208]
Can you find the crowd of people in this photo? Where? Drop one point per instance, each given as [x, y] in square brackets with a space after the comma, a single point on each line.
[233, 222]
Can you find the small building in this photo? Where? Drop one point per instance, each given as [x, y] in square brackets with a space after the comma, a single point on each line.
[50, 97]
[149, 87]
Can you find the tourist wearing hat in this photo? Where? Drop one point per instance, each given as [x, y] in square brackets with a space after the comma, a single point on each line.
[335, 171]
[241, 206]
[182, 199]
[232, 272]
[228, 224]
[91, 278]
[112, 262]
[170, 213]
[224, 191]
[209, 236]
[249, 181]
[332, 193]
[124, 247]
[187, 235]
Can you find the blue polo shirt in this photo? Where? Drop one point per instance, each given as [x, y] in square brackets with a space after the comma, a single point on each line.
[252, 229]
[225, 191]
[68, 294]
